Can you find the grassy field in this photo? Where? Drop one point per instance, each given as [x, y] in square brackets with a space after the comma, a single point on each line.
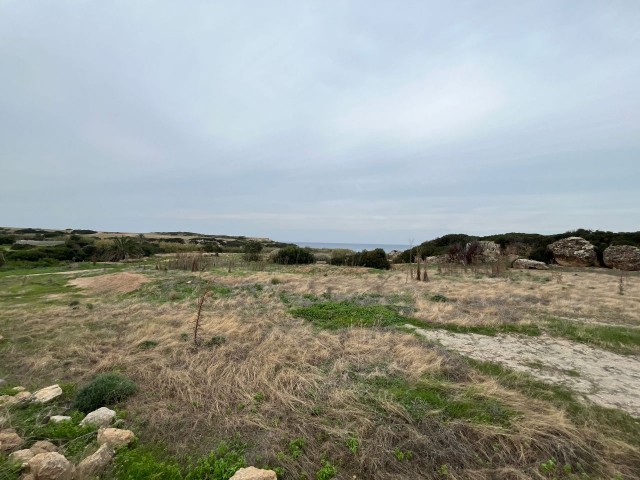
[320, 372]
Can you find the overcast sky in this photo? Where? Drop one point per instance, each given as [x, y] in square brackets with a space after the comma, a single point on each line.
[369, 121]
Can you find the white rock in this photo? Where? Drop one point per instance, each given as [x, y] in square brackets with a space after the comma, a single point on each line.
[95, 464]
[18, 389]
[47, 394]
[50, 466]
[115, 437]
[253, 473]
[101, 417]
[59, 418]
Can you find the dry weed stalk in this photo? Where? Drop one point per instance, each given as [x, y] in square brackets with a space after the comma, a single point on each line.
[196, 326]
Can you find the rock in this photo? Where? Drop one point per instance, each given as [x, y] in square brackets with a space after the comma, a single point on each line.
[23, 395]
[50, 466]
[490, 252]
[94, 464]
[21, 456]
[253, 473]
[573, 252]
[43, 446]
[59, 418]
[101, 417]
[622, 257]
[115, 437]
[47, 394]
[18, 389]
[9, 440]
[27, 476]
[2, 380]
[525, 263]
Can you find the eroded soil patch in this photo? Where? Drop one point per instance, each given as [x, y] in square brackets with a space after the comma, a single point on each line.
[123, 282]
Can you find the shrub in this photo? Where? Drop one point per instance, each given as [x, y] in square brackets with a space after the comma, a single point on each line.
[105, 389]
[294, 255]
[373, 259]
[252, 251]
[145, 463]
[220, 464]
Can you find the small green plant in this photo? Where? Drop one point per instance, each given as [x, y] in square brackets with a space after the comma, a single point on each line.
[143, 462]
[216, 341]
[548, 467]
[105, 389]
[147, 344]
[220, 464]
[327, 471]
[74, 303]
[439, 298]
[259, 397]
[443, 470]
[352, 444]
[89, 306]
[402, 455]
[276, 281]
[296, 447]
[184, 337]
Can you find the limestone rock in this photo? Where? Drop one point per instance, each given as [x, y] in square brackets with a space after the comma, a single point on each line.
[622, 257]
[50, 466]
[27, 476]
[9, 440]
[59, 418]
[490, 252]
[43, 446]
[101, 417]
[47, 394]
[115, 437]
[573, 252]
[21, 456]
[253, 473]
[525, 263]
[96, 463]
[18, 389]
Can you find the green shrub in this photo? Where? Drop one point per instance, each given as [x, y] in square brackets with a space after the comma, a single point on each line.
[105, 389]
[145, 463]
[327, 471]
[294, 255]
[367, 258]
[220, 464]
[252, 251]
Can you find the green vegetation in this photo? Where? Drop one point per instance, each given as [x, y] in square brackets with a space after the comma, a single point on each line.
[373, 259]
[252, 251]
[294, 255]
[105, 389]
[327, 471]
[334, 315]
[611, 337]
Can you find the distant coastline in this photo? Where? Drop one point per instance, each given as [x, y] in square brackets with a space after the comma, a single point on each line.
[353, 246]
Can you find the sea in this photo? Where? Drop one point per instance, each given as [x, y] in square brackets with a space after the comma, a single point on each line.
[356, 247]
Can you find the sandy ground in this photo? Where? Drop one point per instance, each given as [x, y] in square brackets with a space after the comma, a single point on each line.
[114, 283]
[605, 378]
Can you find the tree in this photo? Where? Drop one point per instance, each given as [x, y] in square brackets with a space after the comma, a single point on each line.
[123, 248]
[252, 250]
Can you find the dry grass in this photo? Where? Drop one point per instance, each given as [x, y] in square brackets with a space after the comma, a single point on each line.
[276, 378]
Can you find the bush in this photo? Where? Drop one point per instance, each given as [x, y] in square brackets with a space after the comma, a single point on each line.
[373, 259]
[105, 389]
[145, 463]
[252, 251]
[294, 255]
[220, 464]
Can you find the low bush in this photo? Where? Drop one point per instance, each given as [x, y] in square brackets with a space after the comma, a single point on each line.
[367, 258]
[294, 255]
[105, 389]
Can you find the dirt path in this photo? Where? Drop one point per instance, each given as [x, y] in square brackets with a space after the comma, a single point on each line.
[603, 377]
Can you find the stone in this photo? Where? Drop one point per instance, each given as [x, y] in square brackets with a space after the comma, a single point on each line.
[95, 464]
[50, 466]
[101, 417]
[2, 380]
[525, 263]
[115, 437]
[622, 257]
[490, 252]
[59, 418]
[27, 476]
[18, 389]
[253, 473]
[21, 456]
[43, 446]
[573, 252]
[23, 395]
[47, 394]
[9, 440]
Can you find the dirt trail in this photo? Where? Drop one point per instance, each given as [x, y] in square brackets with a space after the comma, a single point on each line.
[603, 377]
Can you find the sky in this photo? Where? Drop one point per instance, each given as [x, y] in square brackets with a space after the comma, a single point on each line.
[327, 121]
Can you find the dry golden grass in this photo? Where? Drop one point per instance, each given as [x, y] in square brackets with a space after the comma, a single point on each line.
[277, 378]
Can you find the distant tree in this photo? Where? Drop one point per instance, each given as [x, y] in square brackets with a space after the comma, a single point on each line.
[252, 250]
[124, 248]
[293, 255]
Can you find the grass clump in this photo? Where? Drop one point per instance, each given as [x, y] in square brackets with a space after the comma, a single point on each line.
[616, 338]
[145, 462]
[105, 389]
[147, 344]
[327, 471]
[335, 315]
[220, 464]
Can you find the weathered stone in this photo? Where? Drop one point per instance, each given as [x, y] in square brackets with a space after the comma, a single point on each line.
[115, 437]
[9, 440]
[21, 456]
[525, 263]
[94, 464]
[43, 446]
[23, 395]
[18, 389]
[59, 418]
[253, 473]
[27, 476]
[47, 394]
[573, 252]
[101, 417]
[50, 466]
[622, 257]
[489, 253]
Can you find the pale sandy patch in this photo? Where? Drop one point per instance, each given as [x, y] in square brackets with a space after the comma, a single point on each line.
[114, 283]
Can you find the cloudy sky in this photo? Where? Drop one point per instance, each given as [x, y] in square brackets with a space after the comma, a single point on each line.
[364, 121]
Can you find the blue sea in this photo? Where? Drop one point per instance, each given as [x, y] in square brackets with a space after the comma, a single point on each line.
[354, 246]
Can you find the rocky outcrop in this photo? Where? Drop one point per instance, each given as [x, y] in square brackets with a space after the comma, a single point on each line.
[101, 417]
[573, 252]
[21, 456]
[43, 446]
[95, 464]
[622, 257]
[115, 437]
[47, 394]
[489, 253]
[50, 466]
[253, 473]
[526, 264]
[9, 440]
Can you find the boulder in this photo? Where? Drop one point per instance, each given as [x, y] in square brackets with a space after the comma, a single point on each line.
[115, 437]
[490, 252]
[21, 456]
[47, 394]
[525, 263]
[50, 466]
[18, 389]
[59, 418]
[622, 257]
[9, 440]
[573, 252]
[101, 417]
[43, 446]
[94, 464]
[253, 473]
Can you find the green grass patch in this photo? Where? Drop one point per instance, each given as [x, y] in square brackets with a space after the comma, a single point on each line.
[178, 288]
[35, 289]
[335, 315]
[105, 389]
[616, 338]
[490, 330]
